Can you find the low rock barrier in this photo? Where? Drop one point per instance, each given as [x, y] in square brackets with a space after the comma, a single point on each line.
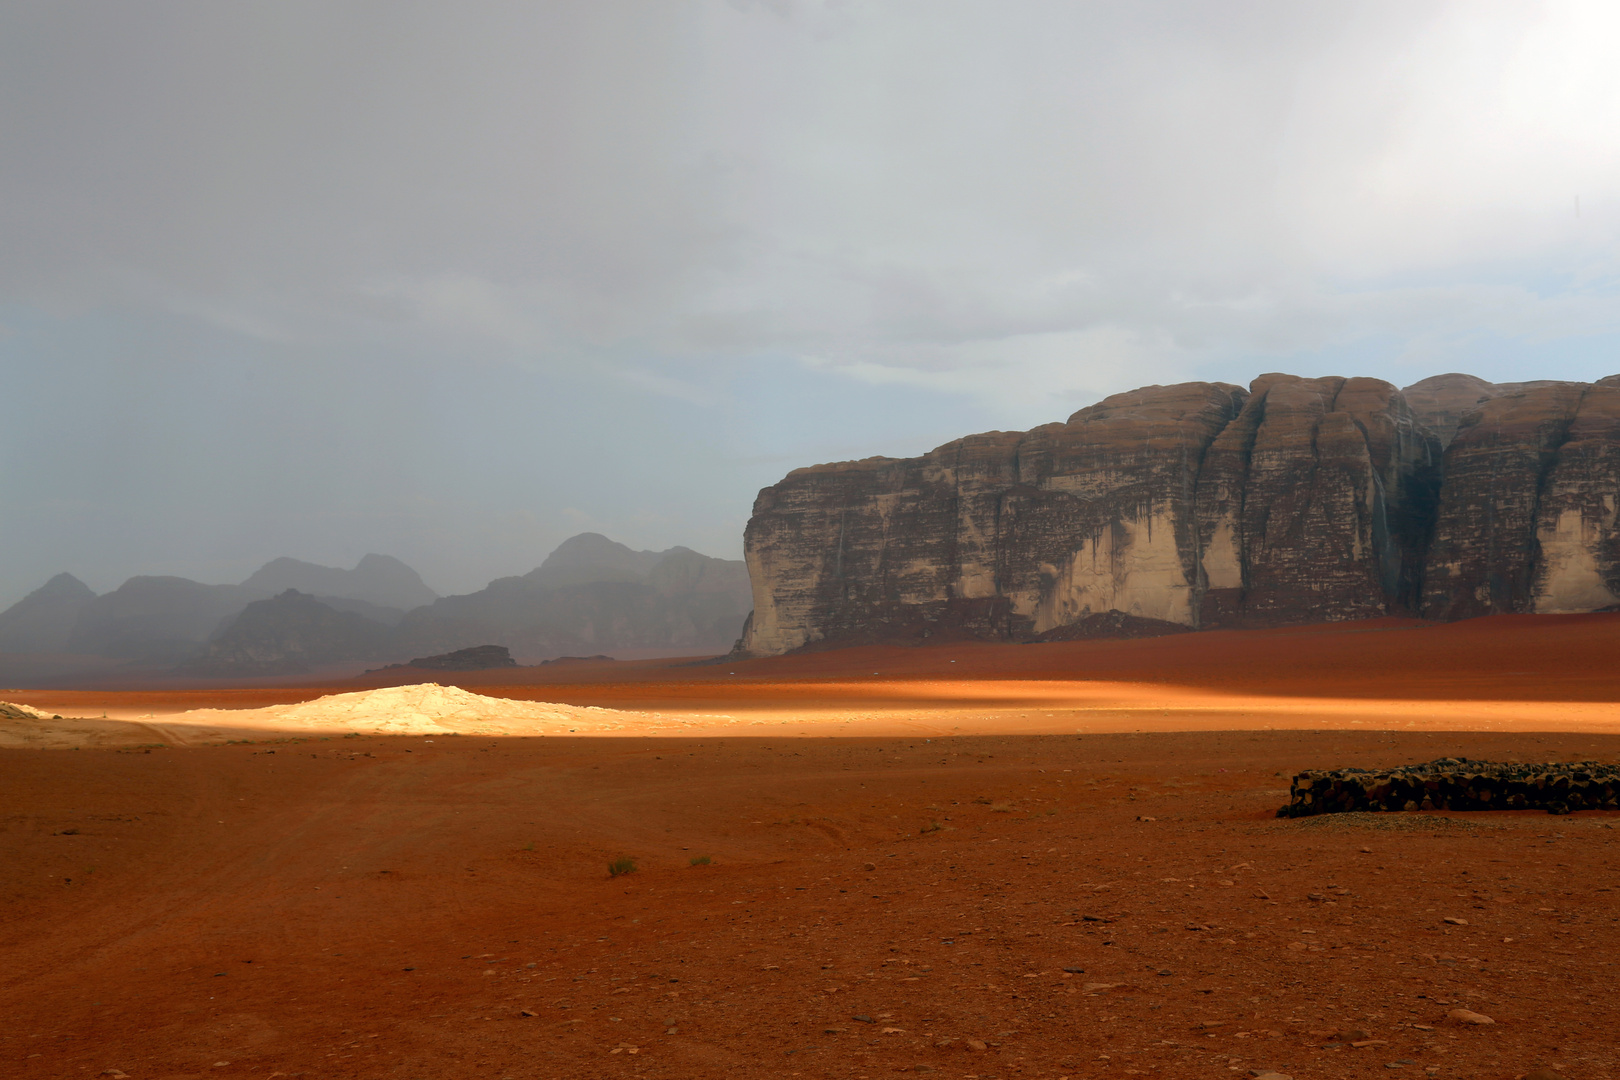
[1457, 784]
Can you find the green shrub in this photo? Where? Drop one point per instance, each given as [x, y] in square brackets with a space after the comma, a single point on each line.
[698, 860]
[620, 867]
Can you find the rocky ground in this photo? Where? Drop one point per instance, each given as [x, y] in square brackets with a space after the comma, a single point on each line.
[975, 907]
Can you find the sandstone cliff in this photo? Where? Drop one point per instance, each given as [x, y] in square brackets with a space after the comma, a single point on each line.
[1527, 514]
[1205, 505]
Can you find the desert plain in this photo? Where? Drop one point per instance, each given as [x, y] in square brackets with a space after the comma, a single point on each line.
[967, 860]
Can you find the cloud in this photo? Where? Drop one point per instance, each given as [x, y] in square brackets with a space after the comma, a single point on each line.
[799, 224]
[721, 180]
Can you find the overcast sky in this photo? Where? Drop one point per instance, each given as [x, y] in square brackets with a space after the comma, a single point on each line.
[455, 281]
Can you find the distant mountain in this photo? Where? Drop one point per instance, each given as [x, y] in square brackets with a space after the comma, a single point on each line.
[291, 633]
[156, 619]
[381, 580]
[42, 621]
[592, 557]
[590, 595]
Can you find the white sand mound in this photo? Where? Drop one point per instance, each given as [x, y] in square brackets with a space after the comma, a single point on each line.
[419, 709]
[10, 710]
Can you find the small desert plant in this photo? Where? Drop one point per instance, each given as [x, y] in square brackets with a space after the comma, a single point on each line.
[620, 867]
[698, 860]
[932, 826]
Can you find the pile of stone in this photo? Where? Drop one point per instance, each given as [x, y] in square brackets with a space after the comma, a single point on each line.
[1457, 784]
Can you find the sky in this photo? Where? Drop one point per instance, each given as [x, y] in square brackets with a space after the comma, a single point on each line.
[454, 282]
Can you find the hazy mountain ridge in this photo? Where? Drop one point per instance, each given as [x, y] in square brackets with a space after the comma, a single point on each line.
[291, 633]
[380, 580]
[590, 594]
[593, 594]
[43, 621]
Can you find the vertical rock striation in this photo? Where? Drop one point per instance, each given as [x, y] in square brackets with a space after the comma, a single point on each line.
[1316, 498]
[1190, 505]
[1206, 505]
[1527, 513]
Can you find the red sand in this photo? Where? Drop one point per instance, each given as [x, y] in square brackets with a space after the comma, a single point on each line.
[367, 907]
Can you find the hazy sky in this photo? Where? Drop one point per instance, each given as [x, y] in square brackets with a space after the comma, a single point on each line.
[455, 281]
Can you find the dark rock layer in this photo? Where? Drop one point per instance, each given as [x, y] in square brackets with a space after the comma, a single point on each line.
[476, 658]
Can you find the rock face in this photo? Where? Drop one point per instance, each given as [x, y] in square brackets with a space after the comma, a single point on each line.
[1439, 403]
[1205, 505]
[1527, 515]
[1316, 498]
[43, 621]
[589, 595]
[1196, 505]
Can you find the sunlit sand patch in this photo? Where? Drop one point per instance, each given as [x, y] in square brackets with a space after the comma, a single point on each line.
[905, 708]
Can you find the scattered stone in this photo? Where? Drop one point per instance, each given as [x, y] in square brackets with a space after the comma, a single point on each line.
[1267, 1074]
[833, 1031]
[1261, 894]
[1466, 1016]
[1455, 922]
[1075, 971]
[1315, 897]
[1457, 784]
[894, 1031]
[871, 866]
[1097, 987]
[977, 1044]
[526, 1012]
[1350, 1035]
[1541, 1074]
[863, 1018]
